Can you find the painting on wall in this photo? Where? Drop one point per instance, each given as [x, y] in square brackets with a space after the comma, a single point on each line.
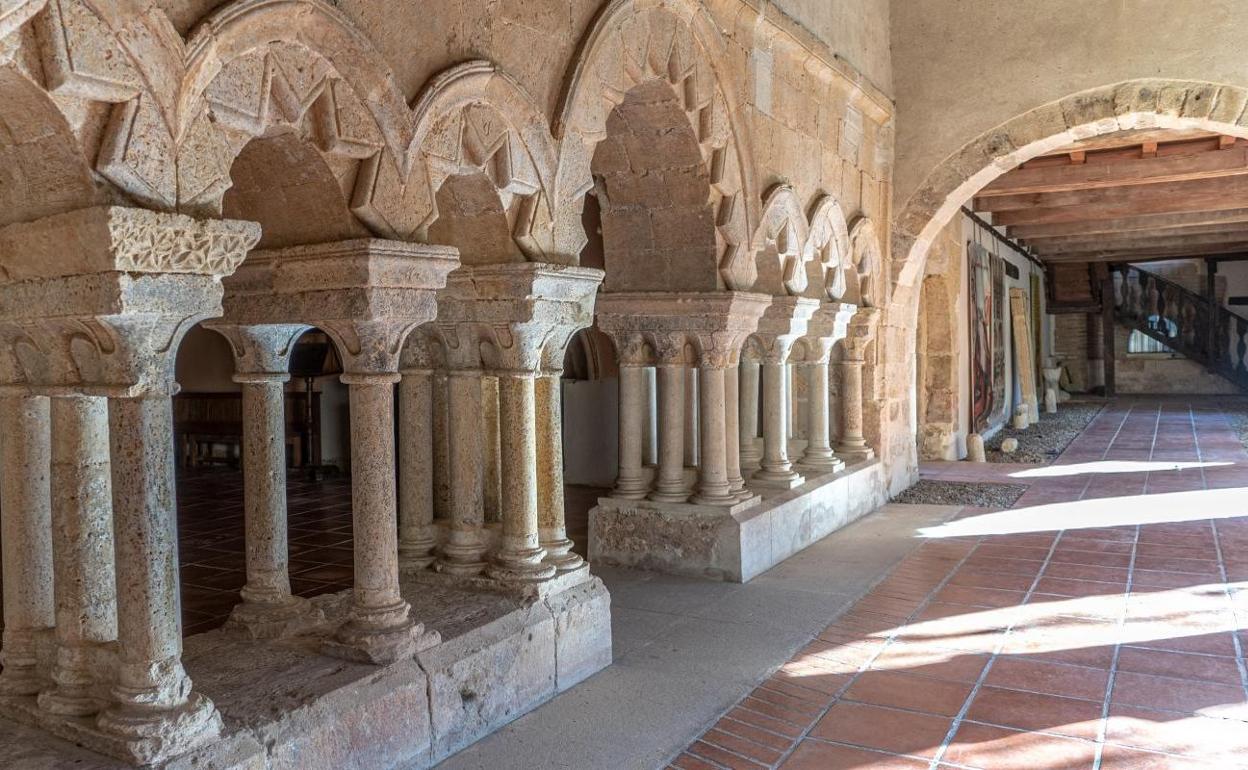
[986, 279]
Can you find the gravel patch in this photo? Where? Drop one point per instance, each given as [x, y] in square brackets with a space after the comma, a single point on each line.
[978, 494]
[1043, 441]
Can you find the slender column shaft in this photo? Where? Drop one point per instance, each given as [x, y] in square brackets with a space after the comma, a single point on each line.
[264, 488]
[670, 484]
[650, 417]
[441, 446]
[463, 553]
[519, 554]
[491, 481]
[152, 685]
[818, 447]
[775, 466]
[713, 486]
[416, 534]
[82, 544]
[552, 522]
[377, 607]
[750, 456]
[852, 442]
[25, 536]
[630, 484]
[732, 432]
[693, 444]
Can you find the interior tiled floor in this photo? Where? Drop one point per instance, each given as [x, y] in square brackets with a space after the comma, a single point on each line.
[1101, 623]
[210, 521]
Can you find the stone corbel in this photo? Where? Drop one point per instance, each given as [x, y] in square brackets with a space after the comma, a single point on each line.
[783, 322]
[862, 330]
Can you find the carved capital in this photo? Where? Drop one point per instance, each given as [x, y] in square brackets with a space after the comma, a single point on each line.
[783, 323]
[261, 349]
[862, 330]
[116, 239]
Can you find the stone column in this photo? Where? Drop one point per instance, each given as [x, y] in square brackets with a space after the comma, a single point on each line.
[552, 523]
[853, 445]
[630, 484]
[669, 486]
[262, 366]
[84, 582]
[26, 538]
[153, 706]
[713, 484]
[379, 629]
[519, 555]
[491, 478]
[818, 455]
[691, 431]
[776, 467]
[732, 433]
[748, 392]
[416, 467]
[441, 445]
[463, 553]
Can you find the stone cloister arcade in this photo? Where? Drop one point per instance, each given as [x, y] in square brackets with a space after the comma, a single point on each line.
[266, 177]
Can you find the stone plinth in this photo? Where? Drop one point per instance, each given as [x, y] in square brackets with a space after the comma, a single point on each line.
[286, 706]
[733, 543]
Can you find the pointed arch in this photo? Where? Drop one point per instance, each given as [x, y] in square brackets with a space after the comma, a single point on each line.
[779, 244]
[828, 250]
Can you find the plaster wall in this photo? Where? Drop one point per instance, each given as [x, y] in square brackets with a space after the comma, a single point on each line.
[962, 67]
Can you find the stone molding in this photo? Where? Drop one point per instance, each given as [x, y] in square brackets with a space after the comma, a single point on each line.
[366, 294]
[650, 328]
[784, 322]
[827, 326]
[862, 332]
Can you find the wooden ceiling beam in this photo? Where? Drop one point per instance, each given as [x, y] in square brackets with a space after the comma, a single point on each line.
[1091, 175]
[1142, 244]
[1129, 256]
[1142, 223]
[1230, 229]
[1228, 184]
[1213, 195]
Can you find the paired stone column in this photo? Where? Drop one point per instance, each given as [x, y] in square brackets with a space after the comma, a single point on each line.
[852, 446]
[519, 555]
[26, 537]
[82, 554]
[713, 484]
[784, 321]
[417, 534]
[552, 522]
[630, 484]
[748, 412]
[463, 553]
[106, 300]
[262, 369]
[732, 432]
[669, 484]
[828, 326]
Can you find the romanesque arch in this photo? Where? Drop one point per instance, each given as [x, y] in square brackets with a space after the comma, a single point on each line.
[828, 250]
[634, 43]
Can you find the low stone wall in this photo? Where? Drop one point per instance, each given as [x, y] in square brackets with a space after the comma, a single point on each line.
[286, 706]
[732, 543]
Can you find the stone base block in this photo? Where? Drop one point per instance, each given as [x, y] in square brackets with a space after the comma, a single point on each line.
[734, 544]
[284, 705]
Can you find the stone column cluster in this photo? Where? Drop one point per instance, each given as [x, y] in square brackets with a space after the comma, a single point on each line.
[745, 351]
[683, 338]
[367, 296]
[494, 359]
[93, 305]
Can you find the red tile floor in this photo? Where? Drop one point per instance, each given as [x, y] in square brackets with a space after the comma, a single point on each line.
[1100, 623]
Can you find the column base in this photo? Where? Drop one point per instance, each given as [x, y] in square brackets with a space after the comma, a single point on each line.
[520, 566]
[822, 463]
[21, 680]
[464, 558]
[715, 498]
[419, 553]
[670, 492]
[777, 479]
[147, 736]
[275, 620]
[855, 454]
[559, 555]
[630, 489]
[364, 643]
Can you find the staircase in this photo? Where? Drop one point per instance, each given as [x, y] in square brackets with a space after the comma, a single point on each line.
[1183, 321]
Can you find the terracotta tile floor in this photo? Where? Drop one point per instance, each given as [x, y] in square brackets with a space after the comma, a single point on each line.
[1085, 628]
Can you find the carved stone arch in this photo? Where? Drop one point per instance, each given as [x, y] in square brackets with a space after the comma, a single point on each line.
[473, 119]
[779, 244]
[260, 66]
[828, 251]
[42, 168]
[119, 53]
[635, 42]
[864, 245]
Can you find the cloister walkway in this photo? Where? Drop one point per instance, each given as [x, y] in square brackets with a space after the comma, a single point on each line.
[1100, 623]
